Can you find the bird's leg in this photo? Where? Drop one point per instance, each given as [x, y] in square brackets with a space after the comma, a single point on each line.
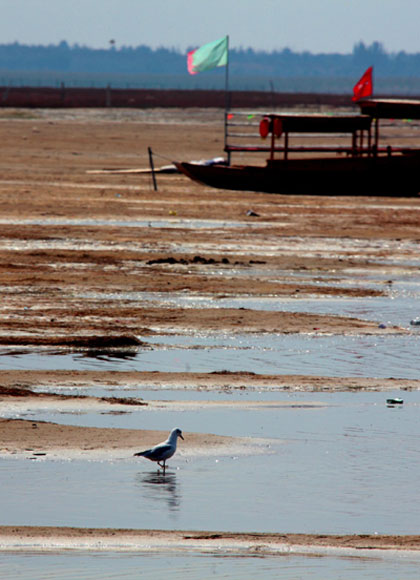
[162, 466]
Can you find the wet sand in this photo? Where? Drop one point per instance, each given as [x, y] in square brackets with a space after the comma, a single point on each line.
[57, 538]
[19, 383]
[38, 439]
[53, 273]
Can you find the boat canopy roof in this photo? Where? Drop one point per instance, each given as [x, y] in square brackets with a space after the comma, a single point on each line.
[321, 123]
[390, 108]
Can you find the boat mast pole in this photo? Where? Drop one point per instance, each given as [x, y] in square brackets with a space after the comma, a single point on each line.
[227, 98]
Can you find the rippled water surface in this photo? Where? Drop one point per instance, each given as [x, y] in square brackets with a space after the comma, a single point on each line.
[354, 356]
[113, 566]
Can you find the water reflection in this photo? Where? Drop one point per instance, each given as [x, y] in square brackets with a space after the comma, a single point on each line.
[159, 486]
[107, 355]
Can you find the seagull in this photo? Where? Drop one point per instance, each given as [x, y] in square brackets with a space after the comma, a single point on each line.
[164, 450]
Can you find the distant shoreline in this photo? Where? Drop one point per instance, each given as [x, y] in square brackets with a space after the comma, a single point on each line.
[70, 97]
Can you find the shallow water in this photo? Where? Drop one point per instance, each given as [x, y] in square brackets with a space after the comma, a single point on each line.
[109, 566]
[349, 466]
[150, 223]
[398, 307]
[381, 356]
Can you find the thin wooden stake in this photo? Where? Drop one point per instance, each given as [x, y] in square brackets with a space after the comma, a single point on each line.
[152, 167]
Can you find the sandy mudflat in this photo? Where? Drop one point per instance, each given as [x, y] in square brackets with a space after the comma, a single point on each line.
[61, 538]
[20, 382]
[84, 267]
[69, 235]
[38, 439]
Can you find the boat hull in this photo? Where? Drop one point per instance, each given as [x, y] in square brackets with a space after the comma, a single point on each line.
[396, 176]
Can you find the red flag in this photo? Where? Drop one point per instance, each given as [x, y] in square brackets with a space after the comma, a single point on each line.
[364, 87]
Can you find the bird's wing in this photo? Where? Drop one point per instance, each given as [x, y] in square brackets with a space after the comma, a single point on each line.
[152, 450]
[160, 452]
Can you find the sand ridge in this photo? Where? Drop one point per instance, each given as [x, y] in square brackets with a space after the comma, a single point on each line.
[22, 438]
[62, 538]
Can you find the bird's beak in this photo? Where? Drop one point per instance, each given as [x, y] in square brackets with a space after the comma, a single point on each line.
[181, 436]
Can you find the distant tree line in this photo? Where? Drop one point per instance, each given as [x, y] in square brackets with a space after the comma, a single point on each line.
[243, 62]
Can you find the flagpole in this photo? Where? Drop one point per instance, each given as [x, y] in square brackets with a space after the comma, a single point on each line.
[227, 66]
[227, 97]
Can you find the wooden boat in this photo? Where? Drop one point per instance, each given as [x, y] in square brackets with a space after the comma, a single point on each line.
[363, 167]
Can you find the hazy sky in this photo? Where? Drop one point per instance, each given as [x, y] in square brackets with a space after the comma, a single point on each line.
[314, 25]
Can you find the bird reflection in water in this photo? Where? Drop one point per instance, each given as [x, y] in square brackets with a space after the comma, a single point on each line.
[161, 486]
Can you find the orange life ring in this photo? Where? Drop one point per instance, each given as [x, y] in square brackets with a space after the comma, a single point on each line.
[277, 127]
[265, 125]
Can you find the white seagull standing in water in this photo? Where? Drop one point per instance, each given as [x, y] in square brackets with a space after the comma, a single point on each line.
[164, 450]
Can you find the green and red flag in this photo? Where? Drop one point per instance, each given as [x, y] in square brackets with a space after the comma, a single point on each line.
[208, 56]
